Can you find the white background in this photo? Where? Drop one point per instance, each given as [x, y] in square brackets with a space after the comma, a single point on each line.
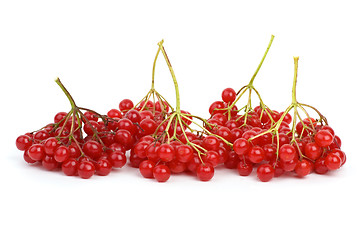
[103, 52]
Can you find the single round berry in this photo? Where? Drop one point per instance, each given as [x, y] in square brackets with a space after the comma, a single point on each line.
[320, 167]
[256, 154]
[86, 169]
[211, 143]
[286, 152]
[303, 168]
[161, 173]
[265, 172]
[332, 161]
[166, 152]
[36, 152]
[103, 167]
[146, 168]
[49, 163]
[184, 153]
[23, 142]
[92, 149]
[241, 146]
[312, 151]
[69, 167]
[117, 159]
[62, 153]
[125, 105]
[228, 95]
[205, 172]
[323, 138]
[133, 115]
[244, 168]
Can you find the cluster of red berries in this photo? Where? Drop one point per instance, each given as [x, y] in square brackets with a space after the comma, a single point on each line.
[162, 140]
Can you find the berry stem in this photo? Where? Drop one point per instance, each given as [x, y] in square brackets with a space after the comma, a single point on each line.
[260, 64]
[154, 67]
[178, 107]
[294, 87]
[68, 95]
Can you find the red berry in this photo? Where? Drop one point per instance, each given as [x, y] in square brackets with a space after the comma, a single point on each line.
[228, 95]
[320, 167]
[244, 168]
[286, 152]
[332, 161]
[49, 163]
[125, 105]
[69, 167]
[166, 152]
[256, 154]
[103, 167]
[114, 113]
[36, 152]
[117, 159]
[61, 154]
[303, 168]
[312, 151]
[265, 172]
[323, 138]
[212, 157]
[211, 143]
[23, 142]
[205, 172]
[161, 173]
[86, 169]
[241, 146]
[184, 153]
[92, 149]
[146, 168]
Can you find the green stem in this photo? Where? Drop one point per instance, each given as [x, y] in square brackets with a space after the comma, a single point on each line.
[260, 64]
[294, 88]
[178, 107]
[72, 102]
[154, 66]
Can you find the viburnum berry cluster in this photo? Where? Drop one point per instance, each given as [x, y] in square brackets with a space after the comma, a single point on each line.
[162, 140]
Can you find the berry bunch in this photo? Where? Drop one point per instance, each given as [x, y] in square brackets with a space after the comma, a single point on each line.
[162, 140]
[276, 147]
[79, 143]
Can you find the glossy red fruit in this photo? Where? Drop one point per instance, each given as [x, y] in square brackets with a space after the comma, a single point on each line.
[241, 146]
[323, 138]
[62, 153]
[166, 152]
[216, 107]
[161, 173]
[27, 158]
[205, 172]
[69, 167]
[332, 161]
[265, 172]
[117, 159]
[337, 143]
[140, 149]
[49, 163]
[244, 168]
[146, 168]
[290, 165]
[211, 143]
[212, 157]
[124, 137]
[126, 124]
[184, 153]
[320, 167]
[232, 160]
[41, 135]
[103, 167]
[148, 126]
[303, 168]
[92, 149]
[286, 152]
[312, 151]
[23, 142]
[193, 163]
[36, 152]
[256, 154]
[176, 166]
[86, 169]
[228, 95]
[50, 146]
[134, 116]
[125, 105]
[90, 127]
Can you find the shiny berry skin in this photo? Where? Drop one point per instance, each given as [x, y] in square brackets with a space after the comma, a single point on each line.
[117, 159]
[270, 152]
[146, 168]
[290, 165]
[62, 153]
[91, 116]
[49, 163]
[93, 149]
[36, 152]
[23, 142]
[320, 167]
[69, 167]
[244, 168]
[332, 161]
[232, 160]
[287, 118]
[312, 151]
[205, 172]
[59, 116]
[103, 167]
[323, 138]
[134, 116]
[161, 173]
[212, 157]
[256, 154]
[125, 105]
[337, 143]
[217, 107]
[228, 95]
[86, 169]
[225, 133]
[27, 158]
[211, 143]
[184, 153]
[286, 152]
[166, 152]
[114, 113]
[265, 172]
[194, 163]
[51, 145]
[303, 168]
[125, 138]
[126, 124]
[90, 126]
[340, 154]
[140, 149]
[241, 146]
[148, 126]
[176, 166]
